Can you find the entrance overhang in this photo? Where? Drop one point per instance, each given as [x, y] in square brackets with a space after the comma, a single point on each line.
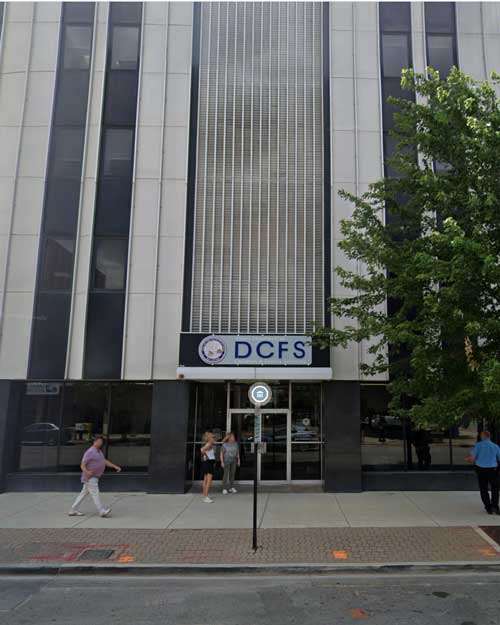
[254, 373]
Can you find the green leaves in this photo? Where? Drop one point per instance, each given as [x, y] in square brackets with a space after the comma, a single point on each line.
[435, 258]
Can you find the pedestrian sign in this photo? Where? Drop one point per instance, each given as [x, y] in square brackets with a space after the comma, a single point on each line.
[260, 394]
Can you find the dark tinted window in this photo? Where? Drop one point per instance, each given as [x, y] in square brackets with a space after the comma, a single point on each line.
[104, 335]
[119, 107]
[395, 16]
[125, 47]
[113, 197]
[67, 154]
[110, 264]
[395, 54]
[439, 17]
[50, 335]
[440, 53]
[39, 428]
[71, 102]
[392, 88]
[130, 425]
[77, 47]
[79, 11]
[118, 146]
[126, 12]
[61, 206]
[57, 268]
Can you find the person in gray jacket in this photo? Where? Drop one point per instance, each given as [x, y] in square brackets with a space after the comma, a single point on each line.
[229, 460]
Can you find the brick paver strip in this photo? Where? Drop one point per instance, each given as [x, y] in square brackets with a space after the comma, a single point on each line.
[311, 545]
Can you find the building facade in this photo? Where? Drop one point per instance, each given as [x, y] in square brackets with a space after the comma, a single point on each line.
[169, 230]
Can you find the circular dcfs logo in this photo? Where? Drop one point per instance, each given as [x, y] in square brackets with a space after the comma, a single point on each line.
[212, 350]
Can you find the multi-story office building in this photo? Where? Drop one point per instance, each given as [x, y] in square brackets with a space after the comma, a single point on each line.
[169, 229]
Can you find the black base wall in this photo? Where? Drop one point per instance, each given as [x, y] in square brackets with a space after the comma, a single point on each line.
[421, 480]
[342, 450]
[169, 429]
[70, 482]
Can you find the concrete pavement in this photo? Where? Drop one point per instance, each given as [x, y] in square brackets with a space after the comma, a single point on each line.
[276, 510]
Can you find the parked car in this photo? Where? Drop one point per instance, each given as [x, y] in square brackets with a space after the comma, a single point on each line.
[40, 434]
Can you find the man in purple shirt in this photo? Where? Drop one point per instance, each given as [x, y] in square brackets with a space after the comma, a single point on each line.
[93, 466]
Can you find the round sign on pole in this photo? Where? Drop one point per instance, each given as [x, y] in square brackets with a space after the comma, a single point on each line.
[260, 394]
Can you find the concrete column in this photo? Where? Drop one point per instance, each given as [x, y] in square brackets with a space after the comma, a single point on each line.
[169, 429]
[341, 430]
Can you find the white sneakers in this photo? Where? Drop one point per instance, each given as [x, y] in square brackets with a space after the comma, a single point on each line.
[102, 513]
[224, 492]
[233, 490]
[207, 500]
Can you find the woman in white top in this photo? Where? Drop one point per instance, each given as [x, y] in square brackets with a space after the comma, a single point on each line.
[207, 464]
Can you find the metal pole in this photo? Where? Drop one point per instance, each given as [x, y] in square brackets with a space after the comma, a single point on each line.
[255, 481]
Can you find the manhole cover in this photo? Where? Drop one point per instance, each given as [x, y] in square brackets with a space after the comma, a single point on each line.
[96, 554]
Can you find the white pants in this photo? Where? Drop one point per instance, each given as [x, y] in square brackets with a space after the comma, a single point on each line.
[91, 487]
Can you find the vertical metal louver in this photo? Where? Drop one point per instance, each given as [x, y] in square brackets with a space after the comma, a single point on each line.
[258, 241]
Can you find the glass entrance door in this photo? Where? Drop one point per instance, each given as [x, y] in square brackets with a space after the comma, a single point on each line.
[275, 464]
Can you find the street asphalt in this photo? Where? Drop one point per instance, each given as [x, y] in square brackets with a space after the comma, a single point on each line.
[443, 599]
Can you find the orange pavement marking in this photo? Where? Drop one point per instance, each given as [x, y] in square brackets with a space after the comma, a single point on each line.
[340, 555]
[489, 552]
[359, 614]
[126, 559]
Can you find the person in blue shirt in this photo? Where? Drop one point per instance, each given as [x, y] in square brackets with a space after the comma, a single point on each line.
[486, 458]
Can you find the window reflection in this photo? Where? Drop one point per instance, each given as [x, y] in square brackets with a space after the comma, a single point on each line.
[77, 47]
[130, 425]
[39, 428]
[125, 47]
[110, 264]
[58, 422]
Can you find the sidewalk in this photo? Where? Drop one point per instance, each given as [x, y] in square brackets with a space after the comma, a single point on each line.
[295, 529]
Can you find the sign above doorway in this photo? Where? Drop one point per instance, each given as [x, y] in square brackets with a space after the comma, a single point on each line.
[251, 350]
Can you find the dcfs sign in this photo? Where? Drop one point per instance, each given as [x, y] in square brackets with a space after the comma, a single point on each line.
[255, 350]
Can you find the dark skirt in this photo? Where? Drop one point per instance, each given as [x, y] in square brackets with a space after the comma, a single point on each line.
[207, 467]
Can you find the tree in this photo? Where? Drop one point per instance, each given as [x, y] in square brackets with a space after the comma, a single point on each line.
[435, 259]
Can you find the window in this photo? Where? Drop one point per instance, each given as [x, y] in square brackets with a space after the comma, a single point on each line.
[79, 11]
[440, 30]
[77, 47]
[57, 271]
[104, 335]
[440, 53]
[39, 432]
[67, 156]
[394, 16]
[50, 335]
[439, 17]
[114, 188]
[394, 54]
[130, 425]
[60, 211]
[110, 264]
[57, 423]
[118, 148]
[125, 47]
[120, 108]
[126, 12]
[392, 88]
[71, 102]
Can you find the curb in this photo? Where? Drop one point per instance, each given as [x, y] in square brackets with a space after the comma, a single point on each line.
[384, 568]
